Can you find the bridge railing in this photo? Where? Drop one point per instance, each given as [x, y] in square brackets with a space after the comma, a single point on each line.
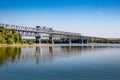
[66, 33]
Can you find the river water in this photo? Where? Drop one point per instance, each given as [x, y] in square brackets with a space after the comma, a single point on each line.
[61, 62]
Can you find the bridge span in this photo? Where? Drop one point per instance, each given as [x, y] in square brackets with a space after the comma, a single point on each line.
[49, 33]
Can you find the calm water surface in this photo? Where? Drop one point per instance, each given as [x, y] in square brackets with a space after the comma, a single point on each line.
[61, 62]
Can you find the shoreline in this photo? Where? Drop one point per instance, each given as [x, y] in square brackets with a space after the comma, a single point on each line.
[24, 45]
[33, 45]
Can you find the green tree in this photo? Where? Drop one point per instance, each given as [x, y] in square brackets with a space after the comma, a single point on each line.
[10, 41]
[7, 37]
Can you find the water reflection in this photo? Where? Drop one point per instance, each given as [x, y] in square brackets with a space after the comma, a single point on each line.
[9, 54]
[41, 54]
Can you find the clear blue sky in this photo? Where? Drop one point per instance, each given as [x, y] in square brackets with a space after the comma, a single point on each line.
[99, 18]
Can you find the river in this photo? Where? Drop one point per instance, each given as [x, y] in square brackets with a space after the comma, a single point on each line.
[61, 62]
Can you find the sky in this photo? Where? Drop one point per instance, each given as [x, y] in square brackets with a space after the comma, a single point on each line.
[99, 18]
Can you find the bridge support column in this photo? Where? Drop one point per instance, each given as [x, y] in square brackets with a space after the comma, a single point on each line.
[51, 39]
[82, 40]
[38, 40]
[70, 41]
[85, 41]
[92, 40]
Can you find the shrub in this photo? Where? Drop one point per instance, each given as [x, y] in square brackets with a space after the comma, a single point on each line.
[2, 41]
[31, 42]
[23, 42]
[10, 41]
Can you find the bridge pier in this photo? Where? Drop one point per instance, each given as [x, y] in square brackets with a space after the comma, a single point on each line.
[85, 41]
[51, 39]
[38, 40]
[80, 41]
[92, 39]
[70, 41]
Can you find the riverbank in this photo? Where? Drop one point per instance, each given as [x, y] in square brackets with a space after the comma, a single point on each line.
[22, 45]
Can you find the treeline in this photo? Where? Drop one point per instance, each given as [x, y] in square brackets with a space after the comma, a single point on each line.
[107, 41]
[7, 37]
[59, 41]
[78, 41]
[11, 37]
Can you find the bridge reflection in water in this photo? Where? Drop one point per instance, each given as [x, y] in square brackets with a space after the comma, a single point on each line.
[9, 55]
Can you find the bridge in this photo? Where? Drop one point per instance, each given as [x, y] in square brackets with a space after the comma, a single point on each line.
[51, 34]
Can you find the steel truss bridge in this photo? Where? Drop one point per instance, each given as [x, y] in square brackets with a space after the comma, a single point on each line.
[51, 34]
